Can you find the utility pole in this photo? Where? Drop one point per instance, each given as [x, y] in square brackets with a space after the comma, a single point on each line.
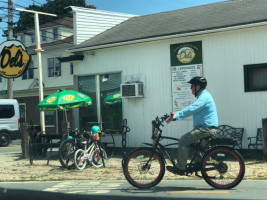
[10, 37]
[39, 57]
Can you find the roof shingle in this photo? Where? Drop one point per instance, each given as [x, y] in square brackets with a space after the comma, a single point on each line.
[199, 18]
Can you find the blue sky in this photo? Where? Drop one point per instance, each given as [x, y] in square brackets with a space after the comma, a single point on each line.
[136, 7]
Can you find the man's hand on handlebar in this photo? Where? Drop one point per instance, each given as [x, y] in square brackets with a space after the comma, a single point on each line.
[171, 118]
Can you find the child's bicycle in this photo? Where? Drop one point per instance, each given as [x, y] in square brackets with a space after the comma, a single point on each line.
[67, 148]
[93, 152]
[221, 166]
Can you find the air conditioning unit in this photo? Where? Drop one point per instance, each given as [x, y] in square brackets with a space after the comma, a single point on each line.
[129, 90]
[57, 73]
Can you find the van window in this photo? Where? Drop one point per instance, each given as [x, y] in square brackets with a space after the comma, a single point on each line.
[6, 111]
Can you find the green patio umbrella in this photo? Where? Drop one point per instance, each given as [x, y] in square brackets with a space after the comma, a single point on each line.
[64, 100]
[114, 98]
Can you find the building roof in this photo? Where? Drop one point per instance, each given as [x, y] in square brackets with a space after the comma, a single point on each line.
[66, 21]
[67, 40]
[188, 20]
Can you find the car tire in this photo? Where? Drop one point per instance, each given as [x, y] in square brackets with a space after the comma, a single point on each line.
[4, 139]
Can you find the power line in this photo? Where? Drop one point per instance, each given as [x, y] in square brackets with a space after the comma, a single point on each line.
[18, 16]
[3, 1]
[19, 5]
[34, 1]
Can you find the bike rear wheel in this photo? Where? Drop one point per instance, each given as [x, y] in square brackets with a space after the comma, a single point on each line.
[143, 169]
[66, 153]
[80, 160]
[99, 157]
[223, 167]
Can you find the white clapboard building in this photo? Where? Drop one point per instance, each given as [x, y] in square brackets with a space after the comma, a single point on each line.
[225, 42]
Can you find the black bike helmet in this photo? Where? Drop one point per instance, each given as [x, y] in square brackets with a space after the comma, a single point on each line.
[198, 80]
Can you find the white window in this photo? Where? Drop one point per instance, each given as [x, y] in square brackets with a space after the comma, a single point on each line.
[50, 118]
[29, 73]
[71, 68]
[55, 33]
[22, 39]
[33, 38]
[54, 67]
[43, 36]
[110, 115]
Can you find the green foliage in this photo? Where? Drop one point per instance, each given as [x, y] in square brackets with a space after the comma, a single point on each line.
[26, 20]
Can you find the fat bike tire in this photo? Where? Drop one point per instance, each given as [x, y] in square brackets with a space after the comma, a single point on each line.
[143, 169]
[223, 167]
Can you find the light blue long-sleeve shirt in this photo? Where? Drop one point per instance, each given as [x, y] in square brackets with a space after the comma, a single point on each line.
[203, 111]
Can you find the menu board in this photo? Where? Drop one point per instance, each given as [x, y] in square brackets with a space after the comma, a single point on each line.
[181, 91]
[186, 63]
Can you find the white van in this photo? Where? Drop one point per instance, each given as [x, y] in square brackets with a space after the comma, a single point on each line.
[9, 121]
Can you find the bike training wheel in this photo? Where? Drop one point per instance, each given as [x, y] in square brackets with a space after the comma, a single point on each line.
[141, 172]
[97, 160]
[66, 153]
[80, 160]
[223, 167]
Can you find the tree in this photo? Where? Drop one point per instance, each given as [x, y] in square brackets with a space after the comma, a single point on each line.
[57, 7]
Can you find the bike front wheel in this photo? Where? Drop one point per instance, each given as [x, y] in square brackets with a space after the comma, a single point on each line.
[80, 159]
[223, 167]
[143, 168]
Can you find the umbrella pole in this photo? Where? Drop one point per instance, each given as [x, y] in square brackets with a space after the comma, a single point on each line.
[67, 124]
[66, 117]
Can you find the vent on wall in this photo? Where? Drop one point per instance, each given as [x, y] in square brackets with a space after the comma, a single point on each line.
[129, 90]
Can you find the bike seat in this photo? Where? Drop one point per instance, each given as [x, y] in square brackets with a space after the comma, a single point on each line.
[206, 138]
[84, 142]
[201, 142]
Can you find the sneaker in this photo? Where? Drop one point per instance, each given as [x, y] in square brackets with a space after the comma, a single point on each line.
[175, 170]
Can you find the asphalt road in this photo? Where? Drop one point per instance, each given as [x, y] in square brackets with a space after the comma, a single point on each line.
[74, 190]
[182, 189]
[12, 148]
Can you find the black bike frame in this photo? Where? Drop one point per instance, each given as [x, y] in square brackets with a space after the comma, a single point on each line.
[162, 148]
[157, 146]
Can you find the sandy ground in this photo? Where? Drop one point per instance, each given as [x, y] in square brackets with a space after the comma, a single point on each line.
[14, 168]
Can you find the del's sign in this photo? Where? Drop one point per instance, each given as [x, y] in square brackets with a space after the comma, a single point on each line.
[14, 59]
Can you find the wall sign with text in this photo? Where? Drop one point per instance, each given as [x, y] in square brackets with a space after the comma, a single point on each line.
[14, 59]
[186, 62]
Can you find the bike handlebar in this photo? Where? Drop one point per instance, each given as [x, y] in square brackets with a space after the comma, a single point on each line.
[158, 121]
